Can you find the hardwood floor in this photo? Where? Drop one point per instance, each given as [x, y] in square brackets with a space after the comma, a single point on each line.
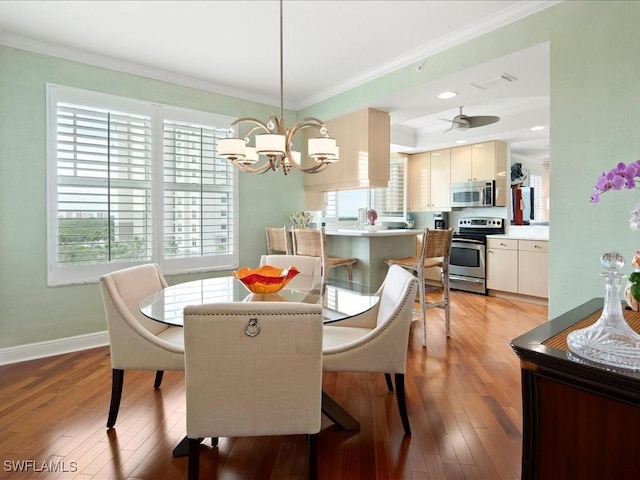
[463, 399]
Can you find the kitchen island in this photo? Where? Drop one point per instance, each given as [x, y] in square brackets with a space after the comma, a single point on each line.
[370, 248]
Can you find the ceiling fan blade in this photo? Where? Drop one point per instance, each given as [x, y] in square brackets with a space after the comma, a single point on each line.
[482, 120]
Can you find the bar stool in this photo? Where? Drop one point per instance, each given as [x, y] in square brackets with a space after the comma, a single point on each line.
[278, 240]
[435, 251]
[313, 242]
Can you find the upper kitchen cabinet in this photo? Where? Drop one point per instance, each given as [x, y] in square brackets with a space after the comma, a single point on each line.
[478, 162]
[429, 179]
[482, 162]
[364, 141]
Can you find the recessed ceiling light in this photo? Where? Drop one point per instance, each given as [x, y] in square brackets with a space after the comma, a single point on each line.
[536, 128]
[445, 95]
[461, 141]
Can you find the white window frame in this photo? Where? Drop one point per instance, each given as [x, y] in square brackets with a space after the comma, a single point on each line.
[78, 274]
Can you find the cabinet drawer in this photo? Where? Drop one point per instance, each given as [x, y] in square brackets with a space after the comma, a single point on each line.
[533, 246]
[502, 244]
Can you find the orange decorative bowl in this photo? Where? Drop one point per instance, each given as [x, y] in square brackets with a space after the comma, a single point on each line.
[265, 279]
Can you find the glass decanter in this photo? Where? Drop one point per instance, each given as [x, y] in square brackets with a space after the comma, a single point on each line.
[610, 340]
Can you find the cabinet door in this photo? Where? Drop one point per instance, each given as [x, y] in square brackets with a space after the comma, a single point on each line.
[461, 164]
[533, 271]
[419, 181]
[502, 270]
[440, 180]
[363, 138]
[483, 166]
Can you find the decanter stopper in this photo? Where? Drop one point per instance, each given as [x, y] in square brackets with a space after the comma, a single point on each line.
[613, 261]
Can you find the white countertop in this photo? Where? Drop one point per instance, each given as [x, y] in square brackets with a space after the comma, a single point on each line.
[346, 232]
[523, 236]
[526, 232]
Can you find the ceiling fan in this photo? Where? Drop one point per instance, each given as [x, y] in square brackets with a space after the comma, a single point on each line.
[462, 122]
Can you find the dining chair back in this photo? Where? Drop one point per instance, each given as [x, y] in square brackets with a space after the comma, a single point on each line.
[135, 341]
[313, 242]
[278, 240]
[435, 252]
[376, 342]
[252, 369]
[306, 265]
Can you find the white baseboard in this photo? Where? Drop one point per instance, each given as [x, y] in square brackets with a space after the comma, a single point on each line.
[32, 351]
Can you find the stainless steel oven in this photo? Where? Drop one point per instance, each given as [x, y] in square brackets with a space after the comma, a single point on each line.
[467, 266]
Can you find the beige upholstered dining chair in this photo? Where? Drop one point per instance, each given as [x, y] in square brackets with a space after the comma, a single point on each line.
[278, 240]
[377, 341]
[313, 242]
[310, 268]
[435, 251]
[252, 369]
[137, 342]
[306, 265]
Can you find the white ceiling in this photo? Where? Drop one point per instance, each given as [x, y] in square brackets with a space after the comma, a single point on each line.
[232, 47]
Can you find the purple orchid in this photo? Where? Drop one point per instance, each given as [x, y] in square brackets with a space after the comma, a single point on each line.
[622, 175]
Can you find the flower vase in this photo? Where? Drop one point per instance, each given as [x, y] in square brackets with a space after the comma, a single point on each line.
[610, 340]
[632, 302]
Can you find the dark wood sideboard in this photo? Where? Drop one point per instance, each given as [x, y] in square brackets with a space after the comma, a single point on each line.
[581, 420]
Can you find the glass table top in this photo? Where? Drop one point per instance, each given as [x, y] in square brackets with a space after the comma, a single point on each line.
[339, 299]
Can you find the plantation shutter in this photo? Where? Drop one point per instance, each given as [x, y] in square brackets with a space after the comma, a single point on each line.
[331, 205]
[390, 202]
[198, 195]
[103, 161]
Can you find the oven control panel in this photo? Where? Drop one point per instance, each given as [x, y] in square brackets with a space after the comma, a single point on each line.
[481, 222]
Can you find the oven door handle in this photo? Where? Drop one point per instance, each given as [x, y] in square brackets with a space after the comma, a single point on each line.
[465, 279]
[467, 240]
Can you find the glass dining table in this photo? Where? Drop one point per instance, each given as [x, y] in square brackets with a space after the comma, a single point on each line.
[339, 299]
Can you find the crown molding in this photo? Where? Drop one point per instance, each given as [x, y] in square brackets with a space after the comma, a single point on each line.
[58, 51]
[509, 15]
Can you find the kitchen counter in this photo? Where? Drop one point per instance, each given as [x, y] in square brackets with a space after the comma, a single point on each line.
[371, 233]
[525, 233]
[370, 248]
[524, 236]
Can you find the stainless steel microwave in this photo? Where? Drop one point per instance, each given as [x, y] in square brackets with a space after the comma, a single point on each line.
[473, 194]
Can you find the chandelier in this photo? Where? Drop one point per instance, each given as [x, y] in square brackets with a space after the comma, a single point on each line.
[273, 143]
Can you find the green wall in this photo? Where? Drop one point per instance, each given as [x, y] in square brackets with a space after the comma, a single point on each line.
[29, 310]
[595, 123]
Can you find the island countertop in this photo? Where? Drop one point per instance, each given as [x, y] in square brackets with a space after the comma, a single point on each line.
[347, 232]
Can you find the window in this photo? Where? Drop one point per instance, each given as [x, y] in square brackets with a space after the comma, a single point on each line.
[122, 173]
[536, 183]
[389, 202]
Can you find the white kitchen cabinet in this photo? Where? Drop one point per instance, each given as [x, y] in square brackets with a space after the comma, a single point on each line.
[461, 164]
[482, 161]
[533, 268]
[518, 266]
[429, 181]
[363, 138]
[502, 265]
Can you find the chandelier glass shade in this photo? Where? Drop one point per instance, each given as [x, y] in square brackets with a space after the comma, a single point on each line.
[269, 146]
